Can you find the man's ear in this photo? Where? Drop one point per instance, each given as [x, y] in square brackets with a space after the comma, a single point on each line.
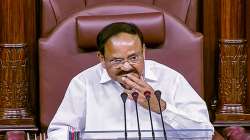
[144, 50]
[101, 58]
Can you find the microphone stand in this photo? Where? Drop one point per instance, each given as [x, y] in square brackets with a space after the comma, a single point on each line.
[124, 97]
[147, 95]
[158, 96]
[135, 97]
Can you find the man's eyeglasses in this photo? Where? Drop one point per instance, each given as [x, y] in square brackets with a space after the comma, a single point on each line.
[118, 62]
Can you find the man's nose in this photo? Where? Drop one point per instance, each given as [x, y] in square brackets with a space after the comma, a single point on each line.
[126, 66]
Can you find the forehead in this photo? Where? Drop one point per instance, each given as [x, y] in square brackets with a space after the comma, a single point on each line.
[123, 43]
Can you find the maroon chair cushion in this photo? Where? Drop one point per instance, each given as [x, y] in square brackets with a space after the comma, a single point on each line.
[96, 2]
[64, 8]
[55, 11]
[151, 24]
[60, 57]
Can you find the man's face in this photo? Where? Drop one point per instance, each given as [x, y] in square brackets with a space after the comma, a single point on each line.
[124, 54]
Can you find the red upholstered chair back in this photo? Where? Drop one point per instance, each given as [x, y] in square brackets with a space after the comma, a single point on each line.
[55, 11]
[65, 51]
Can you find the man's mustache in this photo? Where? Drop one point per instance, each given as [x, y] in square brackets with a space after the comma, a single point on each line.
[126, 72]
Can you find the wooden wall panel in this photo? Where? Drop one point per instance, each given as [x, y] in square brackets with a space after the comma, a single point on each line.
[225, 19]
[12, 21]
[232, 74]
[31, 12]
[248, 48]
[210, 32]
[17, 69]
[232, 21]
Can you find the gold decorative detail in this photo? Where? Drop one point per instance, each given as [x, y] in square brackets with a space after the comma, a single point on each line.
[232, 75]
[13, 81]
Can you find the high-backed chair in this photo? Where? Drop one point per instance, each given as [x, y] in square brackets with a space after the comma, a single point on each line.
[70, 48]
[55, 11]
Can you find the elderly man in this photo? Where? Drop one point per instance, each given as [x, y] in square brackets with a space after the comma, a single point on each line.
[92, 101]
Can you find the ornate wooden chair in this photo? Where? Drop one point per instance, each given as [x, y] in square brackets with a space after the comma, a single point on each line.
[67, 45]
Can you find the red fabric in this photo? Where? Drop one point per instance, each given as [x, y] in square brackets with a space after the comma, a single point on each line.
[236, 133]
[15, 135]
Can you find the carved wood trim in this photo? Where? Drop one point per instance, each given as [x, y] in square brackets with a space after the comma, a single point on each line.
[14, 85]
[233, 71]
[232, 81]
[232, 75]
[18, 66]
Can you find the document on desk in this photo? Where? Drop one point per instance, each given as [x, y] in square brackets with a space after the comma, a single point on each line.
[183, 134]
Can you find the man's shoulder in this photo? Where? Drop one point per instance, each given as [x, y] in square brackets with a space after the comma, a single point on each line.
[91, 73]
[157, 67]
[161, 71]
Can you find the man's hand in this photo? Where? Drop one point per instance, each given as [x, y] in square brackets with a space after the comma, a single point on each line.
[137, 84]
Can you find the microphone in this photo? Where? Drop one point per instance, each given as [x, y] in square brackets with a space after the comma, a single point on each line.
[158, 96]
[124, 97]
[135, 97]
[147, 95]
